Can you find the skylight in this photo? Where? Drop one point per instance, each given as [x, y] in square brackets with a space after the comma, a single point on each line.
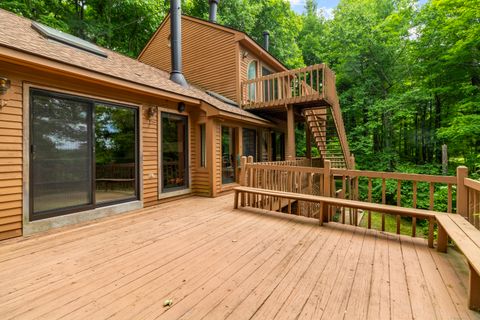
[68, 39]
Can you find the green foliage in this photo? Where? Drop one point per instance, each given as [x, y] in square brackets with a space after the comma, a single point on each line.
[408, 76]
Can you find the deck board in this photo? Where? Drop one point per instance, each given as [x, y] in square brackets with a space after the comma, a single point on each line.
[218, 263]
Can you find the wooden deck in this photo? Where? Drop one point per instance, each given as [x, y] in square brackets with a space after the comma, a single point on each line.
[215, 263]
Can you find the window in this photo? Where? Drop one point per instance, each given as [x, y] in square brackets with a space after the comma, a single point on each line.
[83, 154]
[250, 143]
[278, 146]
[174, 152]
[203, 146]
[228, 155]
[252, 74]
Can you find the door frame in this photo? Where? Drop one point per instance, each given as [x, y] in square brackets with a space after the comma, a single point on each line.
[188, 189]
[28, 138]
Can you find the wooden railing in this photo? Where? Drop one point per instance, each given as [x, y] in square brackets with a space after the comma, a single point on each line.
[330, 95]
[351, 181]
[288, 87]
[449, 194]
[473, 201]
[284, 177]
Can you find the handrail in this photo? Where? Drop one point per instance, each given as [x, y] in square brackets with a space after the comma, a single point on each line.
[346, 184]
[287, 87]
[473, 201]
[395, 176]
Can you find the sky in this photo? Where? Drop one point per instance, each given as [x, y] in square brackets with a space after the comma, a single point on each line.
[326, 5]
[299, 5]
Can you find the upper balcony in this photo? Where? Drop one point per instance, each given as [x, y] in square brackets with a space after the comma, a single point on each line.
[312, 86]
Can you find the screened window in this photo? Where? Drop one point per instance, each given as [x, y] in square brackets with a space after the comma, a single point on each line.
[252, 74]
[82, 154]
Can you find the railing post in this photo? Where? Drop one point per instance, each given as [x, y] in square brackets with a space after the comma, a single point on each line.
[326, 188]
[462, 192]
[243, 171]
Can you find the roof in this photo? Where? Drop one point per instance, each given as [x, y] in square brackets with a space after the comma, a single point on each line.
[17, 34]
[241, 37]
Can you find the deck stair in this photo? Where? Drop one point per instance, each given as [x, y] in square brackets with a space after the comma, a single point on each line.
[312, 93]
[325, 135]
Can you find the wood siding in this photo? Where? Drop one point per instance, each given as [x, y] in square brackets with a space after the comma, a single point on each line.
[150, 158]
[218, 156]
[200, 177]
[11, 161]
[208, 56]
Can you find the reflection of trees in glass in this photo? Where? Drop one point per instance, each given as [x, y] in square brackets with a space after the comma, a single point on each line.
[114, 135]
[60, 138]
[60, 126]
[174, 157]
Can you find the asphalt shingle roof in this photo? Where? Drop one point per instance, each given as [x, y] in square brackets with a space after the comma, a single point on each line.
[17, 33]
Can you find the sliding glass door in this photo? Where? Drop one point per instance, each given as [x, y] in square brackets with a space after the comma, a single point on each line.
[83, 154]
[174, 152]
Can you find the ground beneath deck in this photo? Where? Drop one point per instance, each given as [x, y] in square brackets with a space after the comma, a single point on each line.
[215, 263]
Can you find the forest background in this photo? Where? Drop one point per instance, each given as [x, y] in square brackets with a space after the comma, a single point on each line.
[408, 75]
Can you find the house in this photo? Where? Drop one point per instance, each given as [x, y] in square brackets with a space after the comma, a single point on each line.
[87, 132]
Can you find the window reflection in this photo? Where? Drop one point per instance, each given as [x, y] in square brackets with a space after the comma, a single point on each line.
[114, 153]
[174, 152]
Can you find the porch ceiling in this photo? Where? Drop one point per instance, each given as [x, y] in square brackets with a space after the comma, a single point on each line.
[215, 262]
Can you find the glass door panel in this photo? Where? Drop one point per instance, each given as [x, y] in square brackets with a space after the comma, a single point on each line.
[250, 143]
[174, 152]
[228, 155]
[61, 169]
[115, 153]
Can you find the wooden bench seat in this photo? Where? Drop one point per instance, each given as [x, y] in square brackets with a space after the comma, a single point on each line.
[467, 239]
[329, 201]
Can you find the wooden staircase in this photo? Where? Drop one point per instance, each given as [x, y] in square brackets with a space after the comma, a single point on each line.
[325, 136]
[312, 93]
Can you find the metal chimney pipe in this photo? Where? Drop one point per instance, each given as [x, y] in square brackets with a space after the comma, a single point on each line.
[213, 10]
[266, 40]
[176, 42]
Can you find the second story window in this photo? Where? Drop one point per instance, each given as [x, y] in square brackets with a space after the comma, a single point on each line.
[252, 74]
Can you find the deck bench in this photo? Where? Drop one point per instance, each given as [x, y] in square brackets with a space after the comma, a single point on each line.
[329, 201]
[467, 239]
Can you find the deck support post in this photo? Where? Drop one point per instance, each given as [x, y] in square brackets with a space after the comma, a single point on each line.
[235, 206]
[290, 147]
[442, 240]
[327, 184]
[431, 222]
[474, 289]
[462, 192]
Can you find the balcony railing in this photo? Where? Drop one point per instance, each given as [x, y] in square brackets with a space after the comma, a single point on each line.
[295, 86]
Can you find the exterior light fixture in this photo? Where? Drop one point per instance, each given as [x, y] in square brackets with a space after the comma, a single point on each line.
[181, 107]
[151, 112]
[5, 84]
